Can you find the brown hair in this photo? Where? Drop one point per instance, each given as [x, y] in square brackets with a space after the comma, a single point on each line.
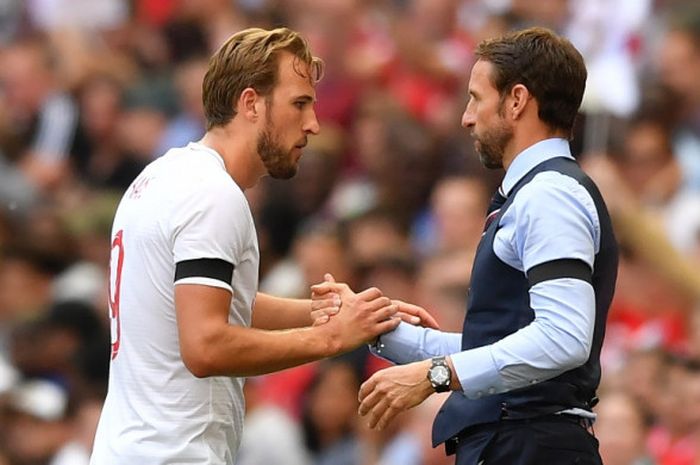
[249, 59]
[547, 64]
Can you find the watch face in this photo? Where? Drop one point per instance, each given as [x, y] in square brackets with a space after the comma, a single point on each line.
[439, 375]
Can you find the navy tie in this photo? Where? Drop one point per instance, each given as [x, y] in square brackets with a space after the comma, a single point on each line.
[497, 202]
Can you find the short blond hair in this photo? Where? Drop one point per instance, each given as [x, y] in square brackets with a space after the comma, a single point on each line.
[249, 58]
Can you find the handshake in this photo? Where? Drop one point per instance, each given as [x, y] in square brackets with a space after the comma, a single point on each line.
[353, 319]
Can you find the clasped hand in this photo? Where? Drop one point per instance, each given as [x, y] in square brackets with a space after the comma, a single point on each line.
[326, 301]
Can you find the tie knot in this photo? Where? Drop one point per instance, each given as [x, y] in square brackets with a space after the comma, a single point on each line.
[497, 201]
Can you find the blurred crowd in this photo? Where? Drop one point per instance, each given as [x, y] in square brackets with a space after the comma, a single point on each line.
[390, 194]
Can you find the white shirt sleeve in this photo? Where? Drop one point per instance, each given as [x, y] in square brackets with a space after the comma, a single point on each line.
[212, 222]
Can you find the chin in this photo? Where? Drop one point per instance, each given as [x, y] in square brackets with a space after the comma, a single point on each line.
[286, 173]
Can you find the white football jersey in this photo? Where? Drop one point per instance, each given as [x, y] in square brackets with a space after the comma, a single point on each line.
[183, 220]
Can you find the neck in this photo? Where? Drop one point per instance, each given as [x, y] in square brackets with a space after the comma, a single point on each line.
[239, 152]
[527, 136]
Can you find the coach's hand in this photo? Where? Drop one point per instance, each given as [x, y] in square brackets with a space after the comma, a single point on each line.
[393, 390]
[325, 303]
[415, 315]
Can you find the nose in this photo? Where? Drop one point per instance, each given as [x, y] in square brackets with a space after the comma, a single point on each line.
[468, 119]
[311, 125]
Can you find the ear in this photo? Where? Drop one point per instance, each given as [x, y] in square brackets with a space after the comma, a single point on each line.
[520, 96]
[249, 104]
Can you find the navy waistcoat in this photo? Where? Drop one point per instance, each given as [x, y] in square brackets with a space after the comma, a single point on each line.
[499, 304]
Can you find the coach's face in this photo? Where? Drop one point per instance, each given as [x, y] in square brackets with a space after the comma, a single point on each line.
[485, 117]
[290, 118]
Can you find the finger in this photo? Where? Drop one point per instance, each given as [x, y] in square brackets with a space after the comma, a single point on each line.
[323, 319]
[369, 294]
[366, 388]
[410, 319]
[388, 414]
[329, 277]
[379, 303]
[328, 311]
[428, 321]
[327, 286]
[386, 326]
[321, 303]
[376, 413]
[425, 318]
[385, 313]
[369, 403]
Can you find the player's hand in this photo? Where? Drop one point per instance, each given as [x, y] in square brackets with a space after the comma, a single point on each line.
[393, 390]
[362, 317]
[415, 315]
[324, 303]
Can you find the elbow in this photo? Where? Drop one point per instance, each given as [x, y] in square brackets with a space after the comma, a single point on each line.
[198, 369]
[198, 362]
[579, 354]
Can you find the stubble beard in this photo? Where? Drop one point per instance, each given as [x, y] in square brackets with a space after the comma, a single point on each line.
[279, 162]
[492, 143]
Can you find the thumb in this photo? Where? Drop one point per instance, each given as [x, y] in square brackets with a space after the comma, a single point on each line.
[329, 277]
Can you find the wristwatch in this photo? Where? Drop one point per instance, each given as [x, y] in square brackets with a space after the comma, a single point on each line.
[440, 374]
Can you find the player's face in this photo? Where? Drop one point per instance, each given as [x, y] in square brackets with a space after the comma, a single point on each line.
[485, 117]
[290, 118]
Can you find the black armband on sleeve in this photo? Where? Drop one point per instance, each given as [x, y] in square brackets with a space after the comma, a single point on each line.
[563, 268]
[214, 268]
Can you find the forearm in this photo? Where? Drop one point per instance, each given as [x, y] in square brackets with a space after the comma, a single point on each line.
[409, 343]
[558, 340]
[240, 351]
[275, 313]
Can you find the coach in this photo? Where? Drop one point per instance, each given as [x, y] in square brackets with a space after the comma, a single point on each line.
[525, 370]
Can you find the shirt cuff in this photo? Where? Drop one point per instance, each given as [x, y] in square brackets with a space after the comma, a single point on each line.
[477, 372]
[408, 343]
[400, 345]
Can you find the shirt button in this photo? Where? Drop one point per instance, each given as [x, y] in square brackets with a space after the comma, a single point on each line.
[534, 381]
[492, 390]
[479, 394]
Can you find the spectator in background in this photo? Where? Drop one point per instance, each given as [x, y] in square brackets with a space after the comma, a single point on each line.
[457, 214]
[375, 235]
[649, 168]
[100, 159]
[265, 421]
[443, 285]
[678, 64]
[329, 415]
[673, 439]
[35, 422]
[43, 118]
[388, 61]
[188, 123]
[621, 429]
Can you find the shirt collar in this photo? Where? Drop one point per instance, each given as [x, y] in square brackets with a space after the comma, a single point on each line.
[209, 150]
[533, 156]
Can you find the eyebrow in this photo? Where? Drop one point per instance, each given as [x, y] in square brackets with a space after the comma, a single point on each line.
[305, 98]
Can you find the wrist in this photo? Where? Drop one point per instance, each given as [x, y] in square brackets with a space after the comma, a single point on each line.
[439, 374]
[455, 383]
[330, 342]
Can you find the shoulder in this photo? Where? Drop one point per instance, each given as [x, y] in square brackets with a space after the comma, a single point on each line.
[200, 177]
[552, 193]
[550, 184]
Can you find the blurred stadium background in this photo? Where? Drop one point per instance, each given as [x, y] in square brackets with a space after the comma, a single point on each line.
[390, 194]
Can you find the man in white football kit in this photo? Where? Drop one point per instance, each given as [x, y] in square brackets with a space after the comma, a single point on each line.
[187, 322]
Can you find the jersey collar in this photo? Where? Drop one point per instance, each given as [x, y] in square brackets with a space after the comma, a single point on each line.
[203, 148]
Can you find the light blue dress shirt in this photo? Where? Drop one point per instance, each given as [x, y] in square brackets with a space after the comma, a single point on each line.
[553, 217]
